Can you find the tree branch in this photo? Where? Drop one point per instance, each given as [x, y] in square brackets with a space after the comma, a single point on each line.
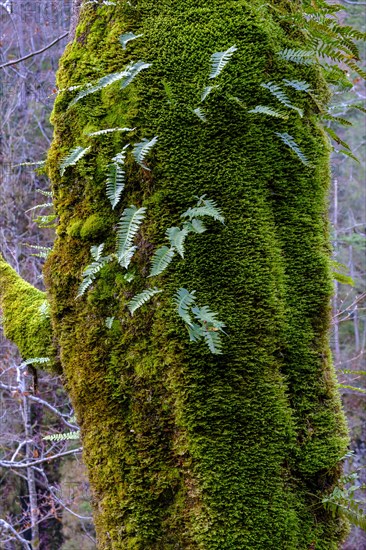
[10, 464]
[7, 527]
[32, 54]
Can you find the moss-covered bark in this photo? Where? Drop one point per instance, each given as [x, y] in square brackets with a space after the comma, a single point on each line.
[186, 449]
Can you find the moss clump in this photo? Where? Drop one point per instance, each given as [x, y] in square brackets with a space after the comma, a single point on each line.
[186, 449]
[94, 227]
[24, 323]
[74, 228]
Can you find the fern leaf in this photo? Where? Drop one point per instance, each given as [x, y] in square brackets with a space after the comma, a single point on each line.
[208, 318]
[194, 226]
[291, 143]
[141, 299]
[141, 150]
[160, 260]
[102, 83]
[299, 85]
[336, 138]
[133, 72]
[264, 110]
[43, 251]
[110, 130]
[220, 59]
[184, 300]
[44, 205]
[35, 361]
[208, 208]
[213, 341]
[206, 92]
[96, 252]
[128, 227]
[65, 436]
[177, 237]
[279, 94]
[124, 259]
[337, 119]
[201, 115]
[127, 37]
[109, 322]
[347, 153]
[195, 332]
[300, 57]
[84, 285]
[115, 184]
[74, 156]
[44, 309]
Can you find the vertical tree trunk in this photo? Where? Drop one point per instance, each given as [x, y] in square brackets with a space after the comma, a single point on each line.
[186, 449]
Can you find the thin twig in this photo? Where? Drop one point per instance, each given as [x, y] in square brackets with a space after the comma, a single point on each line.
[32, 54]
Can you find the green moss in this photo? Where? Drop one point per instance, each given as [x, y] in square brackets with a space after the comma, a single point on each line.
[24, 323]
[74, 228]
[94, 227]
[185, 449]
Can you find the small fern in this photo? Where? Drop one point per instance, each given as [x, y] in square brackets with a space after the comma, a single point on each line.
[206, 92]
[291, 143]
[264, 110]
[127, 37]
[127, 230]
[102, 83]
[299, 85]
[116, 178]
[205, 207]
[184, 300]
[125, 258]
[194, 226]
[279, 94]
[200, 114]
[72, 158]
[141, 299]
[44, 309]
[109, 322]
[110, 130]
[35, 361]
[160, 260]
[133, 72]
[141, 150]
[300, 57]
[94, 268]
[43, 251]
[177, 237]
[65, 436]
[219, 60]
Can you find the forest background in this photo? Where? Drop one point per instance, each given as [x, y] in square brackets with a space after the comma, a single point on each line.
[51, 496]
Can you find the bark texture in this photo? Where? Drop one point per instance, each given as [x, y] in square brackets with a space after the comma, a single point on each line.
[186, 449]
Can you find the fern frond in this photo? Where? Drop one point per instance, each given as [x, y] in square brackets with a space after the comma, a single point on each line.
[128, 227]
[177, 237]
[43, 251]
[291, 143]
[141, 299]
[127, 37]
[109, 322]
[337, 119]
[110, 130]
[220, 59]
[96, 252]
[65, 436]
[206, 92]
[133, 72]
[336, 137]
[160, 260]
[184, 300]
[213, 340]
[141, 150]
[194, 226]
[208, 208]
[347, 153]
[72, 158]
[264, 110]
[44, 205]
[124, 259]
[45, 193]
[44, 309]
[102, 83]
[300, 57]
[35, 361]
[299, 85]
[195, 332]
[208, 318]
[201, 115]
[279, 94]
[115, 184]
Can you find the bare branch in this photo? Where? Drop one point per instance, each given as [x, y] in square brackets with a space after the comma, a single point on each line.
[10, 464]
[32, 54]
[7, 527]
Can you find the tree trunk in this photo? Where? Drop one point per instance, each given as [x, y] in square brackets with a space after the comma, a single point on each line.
[185, 448]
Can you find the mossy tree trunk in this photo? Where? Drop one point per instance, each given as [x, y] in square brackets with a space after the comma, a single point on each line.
[186, 449]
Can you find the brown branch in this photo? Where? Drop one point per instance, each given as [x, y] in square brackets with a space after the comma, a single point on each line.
[32, 54]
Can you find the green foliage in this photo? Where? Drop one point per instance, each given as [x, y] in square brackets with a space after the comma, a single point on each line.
[133, 71]
[65, 436]
[73, 157]
[141, 299]
[116, 178]
[291, 143]
[219, 60]
[206, 92]
[205, 207]
[110, 130]
[300, 57]
[161, 259]
[177, 237]
[279, 94]
[94, 268]
[299, 85]
[127, 230]
[127, 37]
[264, 110]
[200, 114]
[141, 150]
[102, 83]
[343, 499]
